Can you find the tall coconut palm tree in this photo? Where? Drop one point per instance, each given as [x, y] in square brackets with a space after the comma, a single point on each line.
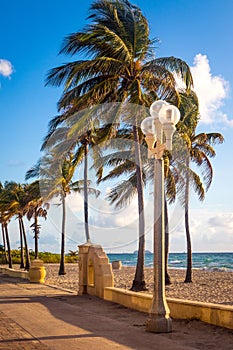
[121, 68]
[199, 150]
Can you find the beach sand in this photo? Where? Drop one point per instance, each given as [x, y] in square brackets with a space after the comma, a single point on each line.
[207, 286]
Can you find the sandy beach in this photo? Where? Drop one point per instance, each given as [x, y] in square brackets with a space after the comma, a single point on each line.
[207, 286]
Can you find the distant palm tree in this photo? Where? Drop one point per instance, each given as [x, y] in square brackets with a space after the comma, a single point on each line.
[36, 208]
[17, 199]
[80, 136]
[5, 216]
[73, 253]
[3, 239]
[56, 179]
[86, 141]
[2, 225]
[5, 221]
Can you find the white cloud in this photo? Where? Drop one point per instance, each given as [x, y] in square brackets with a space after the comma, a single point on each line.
[6, 68]
[223, 118]
[211, 91]
[75, 202]
[210, 231]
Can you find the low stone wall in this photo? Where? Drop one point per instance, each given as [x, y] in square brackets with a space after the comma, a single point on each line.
[218, 315]
[14, 273]
[36, 273]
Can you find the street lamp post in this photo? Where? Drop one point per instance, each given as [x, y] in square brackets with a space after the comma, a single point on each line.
[161, 123]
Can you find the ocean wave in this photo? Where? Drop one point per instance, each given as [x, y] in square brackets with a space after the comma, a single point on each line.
[207, 261]
[176, 262]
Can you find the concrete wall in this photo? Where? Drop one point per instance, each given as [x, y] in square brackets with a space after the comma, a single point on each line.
[96, 278]
[14, 273]
[218, 315]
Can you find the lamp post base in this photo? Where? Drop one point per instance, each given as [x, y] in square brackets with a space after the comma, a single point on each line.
[159, 324]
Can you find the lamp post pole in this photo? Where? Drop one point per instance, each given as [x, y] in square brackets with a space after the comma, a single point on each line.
[159, 320]
[164, 117]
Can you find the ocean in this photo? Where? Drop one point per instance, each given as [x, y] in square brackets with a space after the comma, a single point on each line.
[208, 261]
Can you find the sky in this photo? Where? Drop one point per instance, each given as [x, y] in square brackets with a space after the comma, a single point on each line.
[199, 32]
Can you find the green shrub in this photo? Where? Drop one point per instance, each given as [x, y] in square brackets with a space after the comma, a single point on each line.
[47, 257]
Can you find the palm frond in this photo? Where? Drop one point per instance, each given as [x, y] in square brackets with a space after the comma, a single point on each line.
[179, 67]
[123, 193]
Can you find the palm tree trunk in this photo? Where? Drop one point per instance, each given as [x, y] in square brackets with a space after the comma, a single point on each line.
[36, 234]
[139, 279]
[4, 243]
[167, 277]
[62, 261]
[27, 256]
[8, 246]
[188, 278]
[86, 194]
[21, 246]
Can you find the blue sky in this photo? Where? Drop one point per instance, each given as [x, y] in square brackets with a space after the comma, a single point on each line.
[199, 32]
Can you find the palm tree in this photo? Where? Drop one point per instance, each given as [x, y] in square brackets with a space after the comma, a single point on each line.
[56, 180]
[36, 208]
[3, 239]
[121, 68]
[5, 216]
[5, 219]
[199, 150]
[83, 143]
[2, 225]
[17, 200]
[79, 139]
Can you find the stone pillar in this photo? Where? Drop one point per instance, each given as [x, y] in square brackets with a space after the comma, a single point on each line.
[82, 253]
[99, 271]
[95, 271]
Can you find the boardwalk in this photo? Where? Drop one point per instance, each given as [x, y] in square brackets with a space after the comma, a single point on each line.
[39, 317]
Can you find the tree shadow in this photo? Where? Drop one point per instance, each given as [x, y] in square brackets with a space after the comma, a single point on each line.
[66, 317]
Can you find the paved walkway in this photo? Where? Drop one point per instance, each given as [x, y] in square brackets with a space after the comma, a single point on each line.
[40, 317]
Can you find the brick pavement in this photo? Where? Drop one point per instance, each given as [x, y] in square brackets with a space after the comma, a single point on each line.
[14, 337]
[38, 317]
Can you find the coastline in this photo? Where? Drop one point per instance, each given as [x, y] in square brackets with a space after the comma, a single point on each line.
[208, 286]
